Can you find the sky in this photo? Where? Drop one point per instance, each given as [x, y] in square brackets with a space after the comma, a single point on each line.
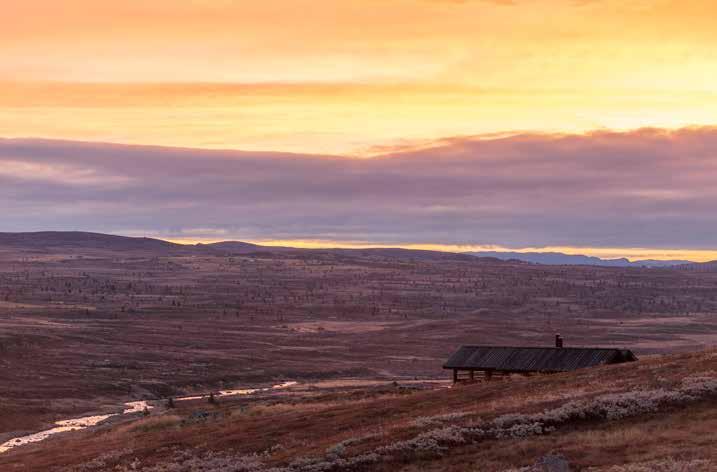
[583, 125]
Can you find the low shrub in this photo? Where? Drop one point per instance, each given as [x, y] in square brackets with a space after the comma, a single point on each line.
[435, 442]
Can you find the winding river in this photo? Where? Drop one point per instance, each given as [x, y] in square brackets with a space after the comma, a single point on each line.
[84, 422]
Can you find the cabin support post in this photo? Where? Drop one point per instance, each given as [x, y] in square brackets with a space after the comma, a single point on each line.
[473, 377]
[455, 375]
[488, 374]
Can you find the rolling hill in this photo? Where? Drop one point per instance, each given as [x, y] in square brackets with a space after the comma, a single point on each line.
[87, 241]
[45, 240]
[77, 241]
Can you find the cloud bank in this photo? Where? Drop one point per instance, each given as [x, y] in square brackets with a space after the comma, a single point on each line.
[646, 188]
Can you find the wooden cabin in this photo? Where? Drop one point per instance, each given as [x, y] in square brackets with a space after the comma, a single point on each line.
[471, 363]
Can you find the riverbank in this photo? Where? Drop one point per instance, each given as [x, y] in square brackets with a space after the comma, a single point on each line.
[129, 408]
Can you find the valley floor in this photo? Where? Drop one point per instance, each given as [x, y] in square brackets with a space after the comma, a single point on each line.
[83, 330]
[86, 328]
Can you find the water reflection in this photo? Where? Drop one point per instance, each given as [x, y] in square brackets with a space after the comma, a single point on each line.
[129, 408]
[62, 426]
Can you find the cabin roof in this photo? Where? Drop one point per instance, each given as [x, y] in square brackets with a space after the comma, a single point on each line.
[534, 359]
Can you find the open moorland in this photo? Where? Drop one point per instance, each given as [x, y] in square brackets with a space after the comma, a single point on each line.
[653, 415]
[90, 321]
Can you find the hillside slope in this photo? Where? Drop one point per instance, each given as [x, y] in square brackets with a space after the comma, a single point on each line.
[656, 414]
[78, 240]
[89, 244]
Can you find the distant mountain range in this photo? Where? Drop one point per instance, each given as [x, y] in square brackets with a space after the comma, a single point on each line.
[558, 258]
[77, 241]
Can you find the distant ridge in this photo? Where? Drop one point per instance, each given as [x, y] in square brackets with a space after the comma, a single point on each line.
[400, 253]
[79, 242]
[559, 258]
[237, 247]
[84, 240]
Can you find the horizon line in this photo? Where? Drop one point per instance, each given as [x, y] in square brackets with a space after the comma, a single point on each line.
[632, 254]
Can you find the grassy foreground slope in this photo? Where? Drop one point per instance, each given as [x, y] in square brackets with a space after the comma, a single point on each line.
[656, 414]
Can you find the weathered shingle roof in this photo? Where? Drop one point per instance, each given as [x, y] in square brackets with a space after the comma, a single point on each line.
[534, 359]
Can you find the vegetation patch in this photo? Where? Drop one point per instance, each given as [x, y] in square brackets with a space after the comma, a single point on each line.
[436, 442]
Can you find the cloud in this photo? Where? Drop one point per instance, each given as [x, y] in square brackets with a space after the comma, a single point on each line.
[645, 188]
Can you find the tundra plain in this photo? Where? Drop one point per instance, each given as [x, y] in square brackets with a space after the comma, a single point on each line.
[88, 323]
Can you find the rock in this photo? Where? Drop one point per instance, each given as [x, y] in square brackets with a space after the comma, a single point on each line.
[551, 463]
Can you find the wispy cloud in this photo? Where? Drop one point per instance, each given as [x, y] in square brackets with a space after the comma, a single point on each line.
[648, 188]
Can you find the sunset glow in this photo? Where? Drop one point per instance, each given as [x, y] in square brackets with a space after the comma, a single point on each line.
[632, 254]
[545, 123]
[346, 77]
[247, 235]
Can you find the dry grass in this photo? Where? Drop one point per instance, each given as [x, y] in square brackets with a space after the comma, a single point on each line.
[151, 424]
[82, 335]
[120, 325]
[334, 426]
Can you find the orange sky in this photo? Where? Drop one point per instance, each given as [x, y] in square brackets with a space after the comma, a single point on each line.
[349, 76]
[360, 78]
